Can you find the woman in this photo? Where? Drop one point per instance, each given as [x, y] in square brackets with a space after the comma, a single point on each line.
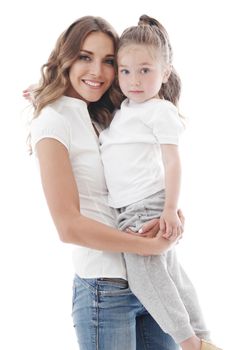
[75, 99]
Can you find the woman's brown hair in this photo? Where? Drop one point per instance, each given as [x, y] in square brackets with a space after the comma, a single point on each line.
[55, 73]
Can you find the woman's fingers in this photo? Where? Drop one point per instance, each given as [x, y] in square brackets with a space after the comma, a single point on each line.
[150, 225]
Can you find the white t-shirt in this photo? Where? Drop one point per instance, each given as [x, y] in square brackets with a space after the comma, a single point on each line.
[130, 149]
[67, 120]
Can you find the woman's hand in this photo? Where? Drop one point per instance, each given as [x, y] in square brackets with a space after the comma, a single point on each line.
[151, 228]
[158, 245]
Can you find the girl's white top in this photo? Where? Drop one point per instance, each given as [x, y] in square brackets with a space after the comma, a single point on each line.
[67, 120]
[130, 149]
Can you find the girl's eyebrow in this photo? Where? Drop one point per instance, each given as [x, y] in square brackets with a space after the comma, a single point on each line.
[140, 64]
[145, 64]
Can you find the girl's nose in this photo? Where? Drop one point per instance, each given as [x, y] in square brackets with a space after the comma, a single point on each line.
[135, 81]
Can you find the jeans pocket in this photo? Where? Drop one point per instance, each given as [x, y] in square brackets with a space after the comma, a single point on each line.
[113, 287]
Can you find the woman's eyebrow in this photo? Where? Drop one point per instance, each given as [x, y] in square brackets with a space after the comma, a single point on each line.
[91, 53]
[86, 51]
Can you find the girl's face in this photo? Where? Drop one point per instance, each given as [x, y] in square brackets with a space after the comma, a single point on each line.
[93, 72]
[141, 72]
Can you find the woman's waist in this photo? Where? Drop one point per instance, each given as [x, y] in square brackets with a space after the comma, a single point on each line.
[91, 263]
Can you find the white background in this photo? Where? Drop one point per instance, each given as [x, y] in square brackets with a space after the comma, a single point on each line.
[35, 267]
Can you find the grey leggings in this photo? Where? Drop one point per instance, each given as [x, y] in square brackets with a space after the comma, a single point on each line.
[159, 281]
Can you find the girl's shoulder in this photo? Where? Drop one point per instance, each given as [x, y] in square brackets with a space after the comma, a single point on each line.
[163, 105]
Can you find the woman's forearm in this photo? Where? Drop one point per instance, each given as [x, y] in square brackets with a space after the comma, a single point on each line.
[86, 232]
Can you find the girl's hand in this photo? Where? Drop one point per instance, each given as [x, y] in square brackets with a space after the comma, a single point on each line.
[170, 224]
[28, 93]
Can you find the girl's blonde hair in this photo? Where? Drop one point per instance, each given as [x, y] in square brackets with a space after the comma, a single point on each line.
[55, 80]
[150, 32]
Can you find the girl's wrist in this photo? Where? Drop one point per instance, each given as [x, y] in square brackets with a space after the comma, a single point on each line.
[170, 208]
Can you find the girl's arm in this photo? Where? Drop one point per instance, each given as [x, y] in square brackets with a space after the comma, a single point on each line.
[62, 196]
[170, 222]
[28, 92]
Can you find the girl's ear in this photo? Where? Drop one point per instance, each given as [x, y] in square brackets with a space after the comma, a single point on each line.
[167, 73]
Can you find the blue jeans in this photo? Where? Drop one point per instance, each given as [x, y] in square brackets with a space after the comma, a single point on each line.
[108, 316]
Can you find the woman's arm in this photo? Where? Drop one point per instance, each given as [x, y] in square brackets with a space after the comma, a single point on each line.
[62, 196]
[170, 222]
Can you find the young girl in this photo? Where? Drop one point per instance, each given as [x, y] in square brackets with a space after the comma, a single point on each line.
[142, 170]
[75, 98]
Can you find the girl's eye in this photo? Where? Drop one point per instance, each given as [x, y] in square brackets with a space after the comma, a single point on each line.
[124, 71]
[110, 61]
[84, 58]
[145, 70]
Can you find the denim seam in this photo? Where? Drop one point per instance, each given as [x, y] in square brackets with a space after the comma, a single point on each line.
[87, 285]
[141, 329]
[97, 316]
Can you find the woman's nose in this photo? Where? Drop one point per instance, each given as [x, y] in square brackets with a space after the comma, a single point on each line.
[96, 68]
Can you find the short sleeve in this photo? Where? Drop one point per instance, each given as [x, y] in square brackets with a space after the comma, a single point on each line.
[166, 123]
[50, 124]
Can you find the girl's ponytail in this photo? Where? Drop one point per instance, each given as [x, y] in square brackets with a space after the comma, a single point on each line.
[171, 89]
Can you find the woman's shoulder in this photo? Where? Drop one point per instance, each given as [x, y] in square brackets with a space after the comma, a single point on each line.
[59, 111]
[49, 117]
[50, 123]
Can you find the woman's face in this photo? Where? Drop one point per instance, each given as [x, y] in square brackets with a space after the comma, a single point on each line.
[93, 72]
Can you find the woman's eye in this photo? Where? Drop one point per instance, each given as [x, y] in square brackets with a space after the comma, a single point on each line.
[84, 58]
[110, 61]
